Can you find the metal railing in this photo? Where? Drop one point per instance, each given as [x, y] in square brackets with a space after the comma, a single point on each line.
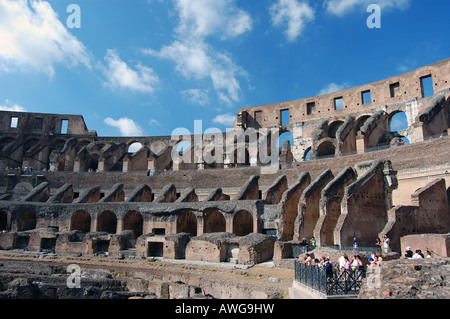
[330, 281]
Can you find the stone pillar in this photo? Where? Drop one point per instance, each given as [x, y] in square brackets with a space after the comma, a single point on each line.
[360, 144]
[418, 132]
[101, 165]
[125, 165]
[76, 165]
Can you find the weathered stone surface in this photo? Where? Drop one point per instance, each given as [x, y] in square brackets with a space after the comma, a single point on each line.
[411, 279]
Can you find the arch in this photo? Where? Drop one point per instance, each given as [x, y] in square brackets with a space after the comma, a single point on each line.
[326, 148]
[360, 122]
[333, 128]
[133, 221]
[92, 161]
[5, 220]
[81, 220]
[307, 154]
[187, 223]
[107, 222]
[214, 222]
[242, 223]
[286, 135]
[134, 147]
[26, 220]
[397, 121]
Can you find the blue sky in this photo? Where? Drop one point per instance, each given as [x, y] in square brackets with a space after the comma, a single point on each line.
[147, 67]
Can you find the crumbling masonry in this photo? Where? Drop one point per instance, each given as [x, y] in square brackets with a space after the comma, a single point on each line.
[346, 175]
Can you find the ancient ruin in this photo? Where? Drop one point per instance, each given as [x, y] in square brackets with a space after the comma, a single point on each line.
[348, 174]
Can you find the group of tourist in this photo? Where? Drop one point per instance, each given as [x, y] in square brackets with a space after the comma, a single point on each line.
[384, 243]
[417, 254]
[23, 170]
[323, 263]
[346, 264]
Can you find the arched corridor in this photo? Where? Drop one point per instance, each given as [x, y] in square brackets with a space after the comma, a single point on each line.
[214, 222]
[133, 221]
[81, 220]
[107, 222]
[242, 223]
[187, 223]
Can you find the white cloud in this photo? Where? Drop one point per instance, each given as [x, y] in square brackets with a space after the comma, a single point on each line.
[292, 13]
[32, 36]
[10, 106]
[342, 7]
[406, 65]
[191, 58]
[196, 96]
[120, 75]
[200, 18]
[126, 126]
[225, 119]
[153, 122]
[333, 87]
[195, 58]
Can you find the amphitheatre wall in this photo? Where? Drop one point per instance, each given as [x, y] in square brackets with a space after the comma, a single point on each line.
[89, 194]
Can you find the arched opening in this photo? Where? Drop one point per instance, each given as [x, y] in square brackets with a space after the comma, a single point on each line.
[107, 222]
[214, 222]
[81, 220]
[284, 137]
[134, 147]
[333, 128]
[326, 148]
[360, 122]
[307, 154]
[92, 162]
[242, 223]
[26, 221]
[5, 220]
[133, 221]
[187, 223]
[398, 122]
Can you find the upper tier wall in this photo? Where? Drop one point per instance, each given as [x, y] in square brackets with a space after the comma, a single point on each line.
[386, 92]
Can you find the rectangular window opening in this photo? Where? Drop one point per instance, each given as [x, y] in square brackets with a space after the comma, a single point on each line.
[14, 122]
[284, 117]
[38, 123]
[64, 126]
[159, 231]
[366, 97]
[394, 88]
[426, 84]
[310, 107]
[338, 103]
